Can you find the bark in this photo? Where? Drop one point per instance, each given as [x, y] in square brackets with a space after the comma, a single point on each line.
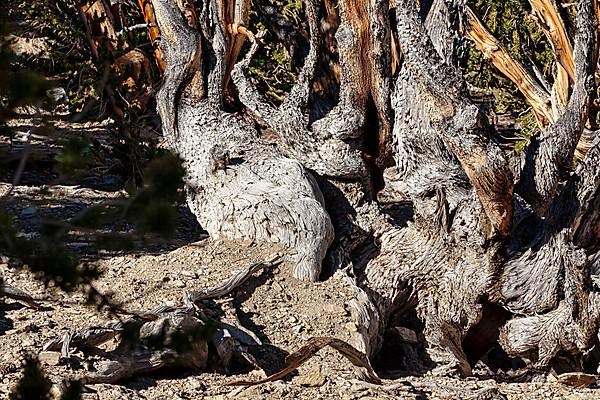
[153, 32]
[237, 185]
[534, 93]
[549, 156]
[481, 262]
[130, 65]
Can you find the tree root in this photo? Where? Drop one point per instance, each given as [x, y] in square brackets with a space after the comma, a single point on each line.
[17, 294]
[179, 337]
[306, 352]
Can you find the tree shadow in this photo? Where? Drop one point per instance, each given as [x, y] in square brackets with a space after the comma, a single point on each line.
[6, 324]
[34, 216]
[268, 356]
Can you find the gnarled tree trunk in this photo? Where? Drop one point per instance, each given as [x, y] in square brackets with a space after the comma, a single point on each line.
[486, 253]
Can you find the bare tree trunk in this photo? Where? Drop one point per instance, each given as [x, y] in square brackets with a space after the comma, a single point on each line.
[485, 255]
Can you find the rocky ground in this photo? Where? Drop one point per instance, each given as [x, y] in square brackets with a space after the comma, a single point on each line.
[283, 312]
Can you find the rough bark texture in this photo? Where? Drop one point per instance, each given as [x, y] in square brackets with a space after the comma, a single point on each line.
[481, 261]
[238, 186]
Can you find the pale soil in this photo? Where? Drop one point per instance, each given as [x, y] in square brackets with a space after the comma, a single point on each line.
[283, 312]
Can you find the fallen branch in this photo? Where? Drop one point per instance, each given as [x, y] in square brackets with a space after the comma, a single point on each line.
[306, 352]
[17, 294]
[234, 281]
[174, 337]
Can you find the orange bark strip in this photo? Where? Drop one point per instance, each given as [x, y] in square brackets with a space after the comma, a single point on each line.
[236, 16]
[554, 29]
[153, 32]
[101, 23]
[535, 94]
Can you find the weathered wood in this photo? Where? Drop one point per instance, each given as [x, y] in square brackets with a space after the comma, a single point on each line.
[550, 155]
[534, 93]
[175, 337]
[306, 352]
[233, 282]
[238, 186]
[153, 32]
[17, 294]
[554, 29]
[475, 259]
[458, 121]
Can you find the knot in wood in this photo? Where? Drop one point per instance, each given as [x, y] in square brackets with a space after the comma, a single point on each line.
[219, 158]
[345, 36]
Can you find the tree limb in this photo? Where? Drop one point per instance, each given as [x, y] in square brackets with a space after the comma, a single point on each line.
[181, 47]
[458, 120]
[534, 93]
[153, 32]
[554, 29]
[549, 156]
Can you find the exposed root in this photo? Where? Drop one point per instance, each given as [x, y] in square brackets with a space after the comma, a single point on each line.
[306, 352]
[14, 293]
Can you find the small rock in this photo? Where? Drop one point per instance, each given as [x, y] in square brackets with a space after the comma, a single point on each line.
[298, 328]
[189, 274]
[334, 309]
[179, 284]
[292, 319]
[406, 335]
[490, 394]
[28, 212]
[350, 326]
[313, 378]
[49, 357]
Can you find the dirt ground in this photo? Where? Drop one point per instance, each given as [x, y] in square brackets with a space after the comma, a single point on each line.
[282, 311]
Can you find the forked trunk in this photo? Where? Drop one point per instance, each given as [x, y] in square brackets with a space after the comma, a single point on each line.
[485, 254]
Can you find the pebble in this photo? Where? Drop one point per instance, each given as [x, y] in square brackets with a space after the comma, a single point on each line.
[189, 274]
[28, 212]
[49, 357]
[313, 378]
[350, 326]
[334, 309]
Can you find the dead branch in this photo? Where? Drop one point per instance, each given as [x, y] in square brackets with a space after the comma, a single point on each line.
[550, 156]
[153, 32]
[534, 93]
[17, 294]
[157, 336]
[234, 281]
[306, 352]
[554, 29]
